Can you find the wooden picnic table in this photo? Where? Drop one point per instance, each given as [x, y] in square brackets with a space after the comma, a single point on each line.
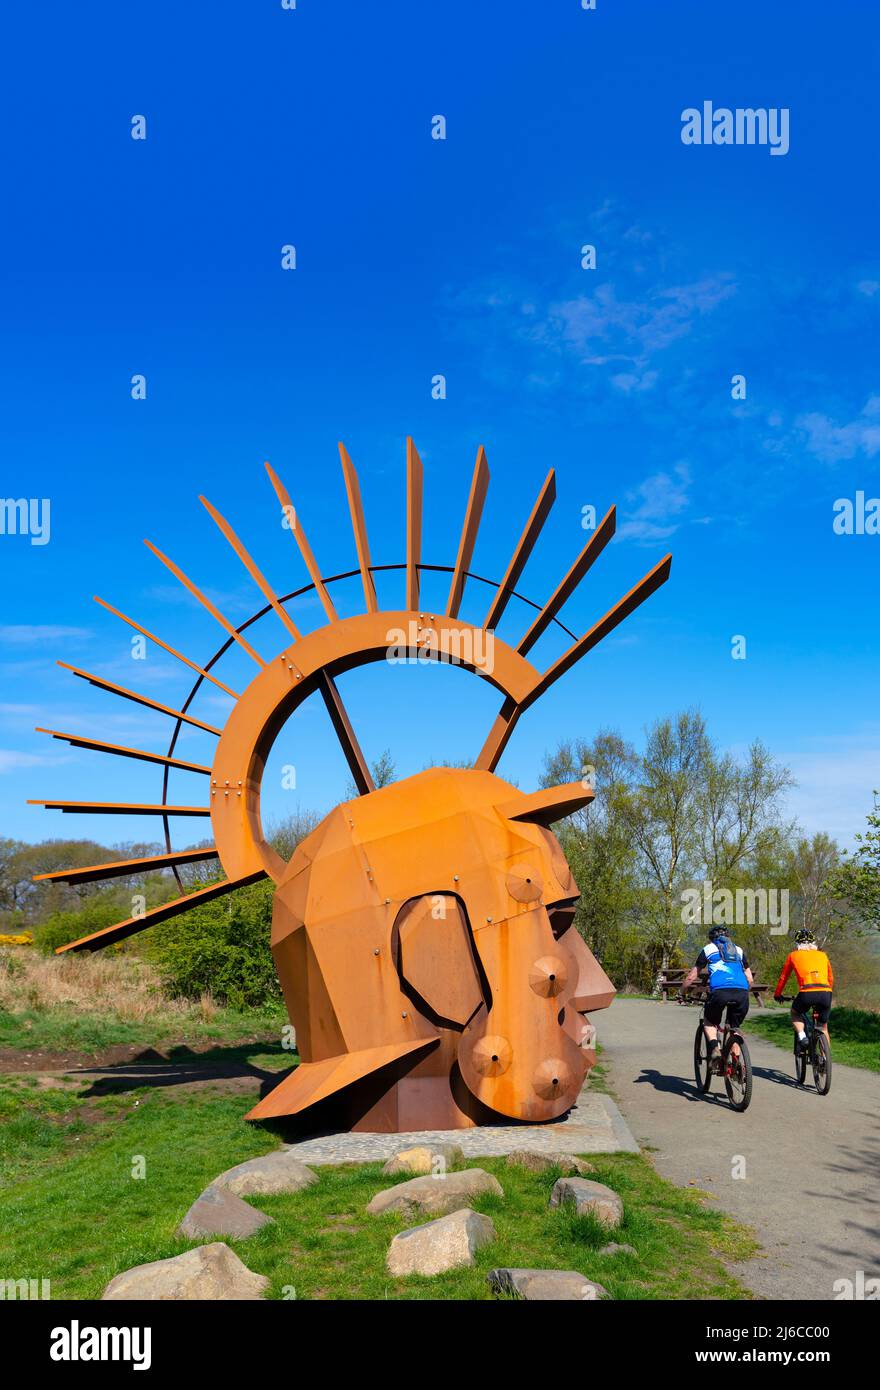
[670, 985]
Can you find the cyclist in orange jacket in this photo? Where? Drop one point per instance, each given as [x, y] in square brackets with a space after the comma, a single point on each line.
[815, 982]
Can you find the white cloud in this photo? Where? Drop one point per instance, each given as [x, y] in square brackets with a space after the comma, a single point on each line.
[634, 381]
[232, 603]
[11, 758]
[602, 328]
[103, 724]
[26, 633]
[660, 502]
[832, 441]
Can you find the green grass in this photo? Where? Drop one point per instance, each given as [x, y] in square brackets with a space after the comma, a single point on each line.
[71, 1211]
[855, 1034]
[67, 1030]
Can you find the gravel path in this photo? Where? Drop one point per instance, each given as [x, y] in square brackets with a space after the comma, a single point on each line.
[810, 1187]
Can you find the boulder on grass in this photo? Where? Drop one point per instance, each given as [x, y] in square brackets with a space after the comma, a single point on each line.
[208, 1272]
[423, 1159]
[219, 1212]
[545, 1285]
[274, 1172]
[447, 1243]
[589, 1199]
[614, 1249]
[538, 1162]
[450, 1192]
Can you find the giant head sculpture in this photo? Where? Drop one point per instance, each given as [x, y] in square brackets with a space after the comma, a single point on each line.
[423, 931]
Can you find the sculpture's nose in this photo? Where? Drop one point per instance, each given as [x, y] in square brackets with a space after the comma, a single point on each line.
[516, 1056]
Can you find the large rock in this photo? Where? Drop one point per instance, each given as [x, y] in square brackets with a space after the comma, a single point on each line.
[545, 1285]
[538, 1162]
[219, 1212]
[424, 1159]
[274, 1172]
[436, 1195]
[446, 1243]
[208, 1272]
[589, 1199]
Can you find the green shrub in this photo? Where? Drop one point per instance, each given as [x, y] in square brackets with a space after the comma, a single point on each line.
[95, 914]
[221, 948]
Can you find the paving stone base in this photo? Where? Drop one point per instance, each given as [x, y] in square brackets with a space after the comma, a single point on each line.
[593, 1126]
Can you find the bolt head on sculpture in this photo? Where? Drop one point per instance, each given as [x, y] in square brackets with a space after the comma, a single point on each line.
[423, 932]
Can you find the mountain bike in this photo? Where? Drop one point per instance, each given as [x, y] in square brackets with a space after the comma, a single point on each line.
[733, 1063]
[817, 1050]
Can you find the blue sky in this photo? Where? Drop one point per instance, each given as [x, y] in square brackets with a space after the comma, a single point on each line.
[462, 257]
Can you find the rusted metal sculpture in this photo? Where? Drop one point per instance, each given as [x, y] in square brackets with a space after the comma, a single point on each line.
[423, 932]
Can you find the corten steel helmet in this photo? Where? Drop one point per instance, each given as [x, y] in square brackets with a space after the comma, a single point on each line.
[423, 932]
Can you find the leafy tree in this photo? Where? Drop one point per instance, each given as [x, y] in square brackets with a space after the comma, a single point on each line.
[738, 806]
[857, 881]
[285, 835]
[383, 771]
[28, 903]
[661, 822]
[10, 880]
[810, 863]
[596, 841]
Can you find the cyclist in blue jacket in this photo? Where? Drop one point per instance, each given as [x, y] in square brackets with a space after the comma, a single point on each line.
[729, 981]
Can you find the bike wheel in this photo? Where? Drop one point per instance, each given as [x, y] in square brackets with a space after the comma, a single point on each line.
[800, 1064]
[737, 1068]
[702, 1069]
[821, 1060]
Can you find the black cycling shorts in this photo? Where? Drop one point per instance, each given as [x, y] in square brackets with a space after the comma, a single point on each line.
[737, 1001]
[817, 999]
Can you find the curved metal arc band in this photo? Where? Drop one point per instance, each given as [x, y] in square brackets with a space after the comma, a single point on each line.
[274, 694]
[297, 593]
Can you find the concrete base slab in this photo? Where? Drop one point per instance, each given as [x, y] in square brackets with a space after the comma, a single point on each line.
[593, 1126]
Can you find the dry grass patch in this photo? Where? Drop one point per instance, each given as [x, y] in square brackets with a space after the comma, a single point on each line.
[122, 985]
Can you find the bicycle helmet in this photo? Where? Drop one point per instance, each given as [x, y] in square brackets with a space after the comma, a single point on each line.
[804, 937]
